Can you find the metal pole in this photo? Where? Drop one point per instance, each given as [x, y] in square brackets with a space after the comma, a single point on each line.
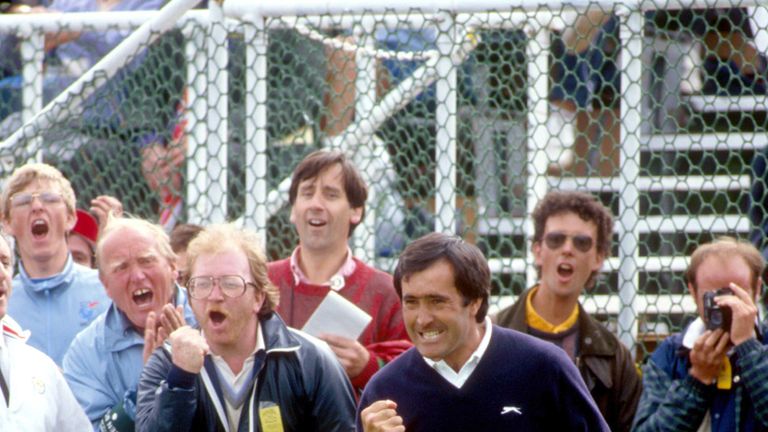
[32, 55]
[256, 187]
[197, 130]
[538, 87]
[631, 35]
[445, 118]
[364, 239]
[217, 117]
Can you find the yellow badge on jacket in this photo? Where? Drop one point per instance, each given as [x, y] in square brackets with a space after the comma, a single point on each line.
[724, 377]
[269, 414]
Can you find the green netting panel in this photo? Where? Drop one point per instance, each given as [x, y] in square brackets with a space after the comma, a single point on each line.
[661, 114]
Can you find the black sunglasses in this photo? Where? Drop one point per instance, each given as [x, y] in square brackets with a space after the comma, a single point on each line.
[556, 239]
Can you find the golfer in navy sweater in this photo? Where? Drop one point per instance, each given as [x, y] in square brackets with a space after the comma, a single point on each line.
[465, 373]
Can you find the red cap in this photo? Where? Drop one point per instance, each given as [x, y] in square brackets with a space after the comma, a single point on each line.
[86, 225]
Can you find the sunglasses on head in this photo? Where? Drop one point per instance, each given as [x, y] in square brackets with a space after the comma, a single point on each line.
[556, 239]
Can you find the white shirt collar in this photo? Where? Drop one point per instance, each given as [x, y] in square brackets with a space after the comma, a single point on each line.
[336, 282]
[237, 382]
[459, 378]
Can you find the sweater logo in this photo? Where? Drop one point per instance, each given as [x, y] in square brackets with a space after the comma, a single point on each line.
[87, 311]
[511, 409]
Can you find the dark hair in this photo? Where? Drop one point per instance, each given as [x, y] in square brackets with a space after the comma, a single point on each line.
[587, 207]
[182, 235]
[471, 273]
[317, 162]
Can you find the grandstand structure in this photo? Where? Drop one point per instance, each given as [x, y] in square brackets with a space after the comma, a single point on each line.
[466, 98]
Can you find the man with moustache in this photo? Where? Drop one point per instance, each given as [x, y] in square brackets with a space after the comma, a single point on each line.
[104, 363]
[244, 369]
[55, 298]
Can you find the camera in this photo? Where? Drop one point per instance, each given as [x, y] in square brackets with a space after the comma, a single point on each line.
[717, 317]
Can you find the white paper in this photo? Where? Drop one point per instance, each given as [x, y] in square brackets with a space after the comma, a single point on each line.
[339, 316]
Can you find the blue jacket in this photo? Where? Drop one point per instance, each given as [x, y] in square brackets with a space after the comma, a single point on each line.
[295, 376]
[105, 360]
[675, 401]
[57, 308]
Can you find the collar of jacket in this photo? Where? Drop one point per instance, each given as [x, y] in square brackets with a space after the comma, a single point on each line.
[62, 279]
[595, 341]
[277, 336]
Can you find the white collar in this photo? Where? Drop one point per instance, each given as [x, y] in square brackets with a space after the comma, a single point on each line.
[459, 378]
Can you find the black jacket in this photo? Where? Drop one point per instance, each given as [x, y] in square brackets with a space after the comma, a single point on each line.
[300, 377]
[605, 364]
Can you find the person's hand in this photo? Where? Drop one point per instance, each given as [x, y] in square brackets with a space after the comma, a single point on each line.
[102, 205]
[188, 349]
[743, 314]
[160, 164]
[351, 354]
[707, 355]
[381, 416]
[157, 329]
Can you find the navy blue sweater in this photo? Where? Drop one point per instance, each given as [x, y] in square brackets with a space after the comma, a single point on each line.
[520, 384]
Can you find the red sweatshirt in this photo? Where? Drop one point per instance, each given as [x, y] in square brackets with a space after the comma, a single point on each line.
[370, 289]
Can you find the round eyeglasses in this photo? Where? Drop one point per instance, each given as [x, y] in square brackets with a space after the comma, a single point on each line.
[23, 199]
[232, 286]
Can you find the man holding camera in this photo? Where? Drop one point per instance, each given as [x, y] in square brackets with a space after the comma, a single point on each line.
[713, 375]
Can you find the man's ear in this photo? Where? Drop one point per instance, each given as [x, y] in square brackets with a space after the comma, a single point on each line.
[357, 216]
[71, 220]
[536, 249]
[6, 227]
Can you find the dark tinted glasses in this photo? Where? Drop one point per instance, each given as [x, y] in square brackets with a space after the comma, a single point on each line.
[556, 239]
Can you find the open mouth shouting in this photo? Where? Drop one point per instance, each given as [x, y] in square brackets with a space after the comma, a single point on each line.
[565, 270]
[142, 297]
[39, 229]
[216, 318]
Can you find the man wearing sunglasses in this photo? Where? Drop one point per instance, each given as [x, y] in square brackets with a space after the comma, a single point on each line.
[243, 369]
[54, 297]
[104, 362]
[572, 238]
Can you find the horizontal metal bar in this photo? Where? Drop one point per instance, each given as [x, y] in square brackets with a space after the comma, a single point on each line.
[655, 184]
[668, 224]
[650, 264]
[97, 21]
[667, 304]
[714, 104]
[731, 141]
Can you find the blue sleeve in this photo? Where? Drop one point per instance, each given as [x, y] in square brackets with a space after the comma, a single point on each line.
[669, 404]
[160, 407]
[333, 404]
[753, 362]
[578, 410]
[86, 378]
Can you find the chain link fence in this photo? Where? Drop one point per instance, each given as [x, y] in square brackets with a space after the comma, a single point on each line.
[460, 120]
